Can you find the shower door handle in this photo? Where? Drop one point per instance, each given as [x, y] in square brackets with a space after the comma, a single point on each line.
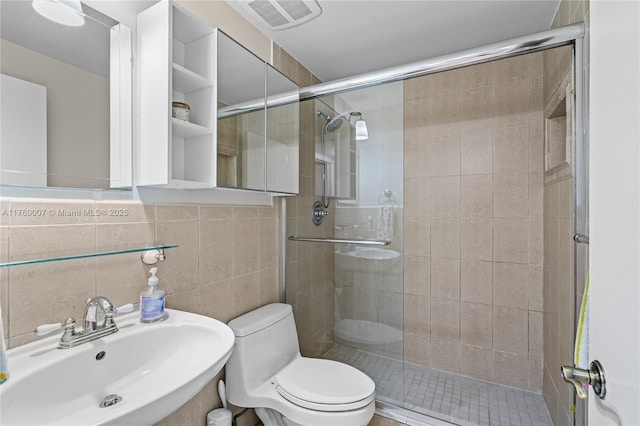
[579, 377]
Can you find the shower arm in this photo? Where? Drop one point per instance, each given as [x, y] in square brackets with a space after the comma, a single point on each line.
[346, 115]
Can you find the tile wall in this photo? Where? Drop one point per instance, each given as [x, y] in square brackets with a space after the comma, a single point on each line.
[559, 291]
[227, 263]
[473, 193]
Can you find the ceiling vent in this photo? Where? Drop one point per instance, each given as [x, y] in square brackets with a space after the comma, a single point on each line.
[282, 14]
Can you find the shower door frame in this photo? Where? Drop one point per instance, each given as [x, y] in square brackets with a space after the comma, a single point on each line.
[570, 35]
[557, 37]
[580, 200]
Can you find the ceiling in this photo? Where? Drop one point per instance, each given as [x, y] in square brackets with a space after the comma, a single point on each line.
[351, 37]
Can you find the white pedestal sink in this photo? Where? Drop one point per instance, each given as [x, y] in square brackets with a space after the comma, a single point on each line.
[153, 368]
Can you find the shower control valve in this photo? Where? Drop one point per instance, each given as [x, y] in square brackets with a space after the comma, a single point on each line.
[318, 213]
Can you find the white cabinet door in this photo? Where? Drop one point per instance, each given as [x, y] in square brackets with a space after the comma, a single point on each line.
[615, 209]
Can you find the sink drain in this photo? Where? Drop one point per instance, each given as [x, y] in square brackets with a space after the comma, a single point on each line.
[110, 400]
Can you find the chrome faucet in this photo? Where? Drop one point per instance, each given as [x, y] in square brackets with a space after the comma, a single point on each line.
[90, 315]
[92, 329]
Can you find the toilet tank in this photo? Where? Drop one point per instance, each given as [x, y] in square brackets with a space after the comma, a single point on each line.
[266, 341]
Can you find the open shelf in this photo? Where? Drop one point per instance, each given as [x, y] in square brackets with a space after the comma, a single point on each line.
[186, 129]
[84, 256]
[187, 81]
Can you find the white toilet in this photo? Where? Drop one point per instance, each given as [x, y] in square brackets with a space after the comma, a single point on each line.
[266, 372]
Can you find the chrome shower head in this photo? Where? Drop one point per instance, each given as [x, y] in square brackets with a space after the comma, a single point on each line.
[331, 124]
[334, 124]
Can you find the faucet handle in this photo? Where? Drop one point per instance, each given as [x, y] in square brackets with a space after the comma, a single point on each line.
[124, 309]
[111, 312]
[44, 329]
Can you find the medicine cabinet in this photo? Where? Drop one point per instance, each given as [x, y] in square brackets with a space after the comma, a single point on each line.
[65, 100]
[242, 125]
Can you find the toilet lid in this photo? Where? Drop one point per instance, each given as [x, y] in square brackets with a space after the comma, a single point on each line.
[324, 385]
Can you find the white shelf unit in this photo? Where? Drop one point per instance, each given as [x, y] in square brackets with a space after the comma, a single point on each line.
[176, 62]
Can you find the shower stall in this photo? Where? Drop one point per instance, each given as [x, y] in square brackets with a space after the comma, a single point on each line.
[417, 254]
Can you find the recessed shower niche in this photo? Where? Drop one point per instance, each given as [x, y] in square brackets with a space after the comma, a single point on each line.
[558, 131]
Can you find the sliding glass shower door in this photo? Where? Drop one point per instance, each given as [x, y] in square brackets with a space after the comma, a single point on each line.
[348, 297]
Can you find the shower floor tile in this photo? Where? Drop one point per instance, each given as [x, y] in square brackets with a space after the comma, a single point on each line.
[457, 399]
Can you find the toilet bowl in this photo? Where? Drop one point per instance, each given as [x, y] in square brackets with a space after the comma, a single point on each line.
[267, 372]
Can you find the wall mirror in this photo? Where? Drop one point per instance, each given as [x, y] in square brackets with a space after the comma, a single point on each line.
[258, 122]
[66, 100]
[283, 133]
[241, 121]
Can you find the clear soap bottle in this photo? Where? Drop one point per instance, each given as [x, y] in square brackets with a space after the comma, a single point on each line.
[152, 300]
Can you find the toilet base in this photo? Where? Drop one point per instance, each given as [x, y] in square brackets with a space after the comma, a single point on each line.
[272, 417]
[269, 417]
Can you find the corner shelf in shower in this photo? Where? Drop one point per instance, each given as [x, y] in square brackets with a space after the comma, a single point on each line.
[84, 256]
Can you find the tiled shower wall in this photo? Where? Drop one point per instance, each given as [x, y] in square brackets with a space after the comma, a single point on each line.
[473, 189]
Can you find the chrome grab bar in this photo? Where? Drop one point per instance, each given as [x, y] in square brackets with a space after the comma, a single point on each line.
[363, 242]
[579, 238]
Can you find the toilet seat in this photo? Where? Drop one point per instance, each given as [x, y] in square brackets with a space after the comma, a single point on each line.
[324, 385]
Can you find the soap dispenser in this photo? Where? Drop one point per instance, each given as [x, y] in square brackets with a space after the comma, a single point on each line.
[152, 300]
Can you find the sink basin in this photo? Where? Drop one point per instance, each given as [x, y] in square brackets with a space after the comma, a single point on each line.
[154, 368]
[371, 253]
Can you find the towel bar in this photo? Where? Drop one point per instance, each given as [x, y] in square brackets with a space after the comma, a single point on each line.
[365, 242]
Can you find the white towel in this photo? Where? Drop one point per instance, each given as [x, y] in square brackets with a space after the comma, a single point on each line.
[581, 350]
[385, 223]
[4, 369]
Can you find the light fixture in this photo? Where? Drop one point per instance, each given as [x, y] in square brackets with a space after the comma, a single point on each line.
[362, 134]
[65, 12]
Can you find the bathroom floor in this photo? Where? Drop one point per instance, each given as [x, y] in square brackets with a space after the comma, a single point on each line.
[446, 396]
